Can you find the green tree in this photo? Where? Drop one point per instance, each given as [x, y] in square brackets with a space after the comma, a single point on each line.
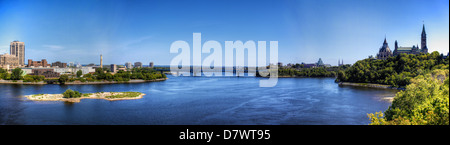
[16, 74]
[99, 73]
[63, 79]
[3, 73]
[79, 73]
[71, 94]
[3, 70]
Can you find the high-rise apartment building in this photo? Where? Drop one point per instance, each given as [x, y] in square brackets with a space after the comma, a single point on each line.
[128, 65]
[151, 65]
[113, 68]
[138, 64]
[17, 49]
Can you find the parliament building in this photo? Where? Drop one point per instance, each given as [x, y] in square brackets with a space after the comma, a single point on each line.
[386, 52]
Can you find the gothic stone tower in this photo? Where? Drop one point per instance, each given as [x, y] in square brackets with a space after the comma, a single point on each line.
[424, 40]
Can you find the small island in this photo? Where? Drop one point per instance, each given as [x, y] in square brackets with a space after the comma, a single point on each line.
[75, 96]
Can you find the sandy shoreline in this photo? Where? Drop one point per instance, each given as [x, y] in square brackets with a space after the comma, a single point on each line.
[101, 95]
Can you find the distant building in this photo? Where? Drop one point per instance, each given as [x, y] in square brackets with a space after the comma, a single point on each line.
[47, 73]
[341, 63]
[113, 68]
[42, 63]
[138, 64]
[122, 68]
[27, 70]
[16, 56]
[59, 64]
[84, 70]
[7, 60]
[289, 65]
[320, 62]
[18, 49]
[71, 64]
[312, 65]
[128, 65]
[385, 52]
[151, 65]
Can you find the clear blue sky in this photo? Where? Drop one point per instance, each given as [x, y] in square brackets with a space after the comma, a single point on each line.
[142, 30]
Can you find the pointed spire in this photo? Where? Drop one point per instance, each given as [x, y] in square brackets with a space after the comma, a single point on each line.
[423, 30]
[385, 42]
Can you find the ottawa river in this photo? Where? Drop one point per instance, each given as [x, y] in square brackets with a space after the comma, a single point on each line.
[200, 100]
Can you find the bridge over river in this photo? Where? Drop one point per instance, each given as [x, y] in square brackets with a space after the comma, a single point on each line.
[198, 70]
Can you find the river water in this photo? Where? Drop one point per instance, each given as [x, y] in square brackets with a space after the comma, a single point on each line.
[200, 100]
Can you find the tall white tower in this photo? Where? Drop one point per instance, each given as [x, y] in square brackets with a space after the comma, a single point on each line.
[101, 61]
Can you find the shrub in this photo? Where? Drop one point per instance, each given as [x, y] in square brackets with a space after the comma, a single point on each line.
[71, 94]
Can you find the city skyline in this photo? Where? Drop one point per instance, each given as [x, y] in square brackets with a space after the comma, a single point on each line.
[142, 31]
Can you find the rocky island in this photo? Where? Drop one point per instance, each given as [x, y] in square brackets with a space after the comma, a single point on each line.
[75, 96]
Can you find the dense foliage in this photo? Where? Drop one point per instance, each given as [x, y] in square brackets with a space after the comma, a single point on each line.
[425, 102]
[33, 78]
[16, 74]
[396, 71]
[63, 79]
[101, 75]
[299, 71]
[71, 94]
[4, 75]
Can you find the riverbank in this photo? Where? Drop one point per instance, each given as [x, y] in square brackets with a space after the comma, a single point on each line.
[110, 96]
[381, 86]
[20, 82]
[112, 82]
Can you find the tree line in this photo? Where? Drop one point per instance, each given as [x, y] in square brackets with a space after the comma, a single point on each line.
[395, 71]
[16, 74]
[120, 76]
[299, 71]
[99, 75]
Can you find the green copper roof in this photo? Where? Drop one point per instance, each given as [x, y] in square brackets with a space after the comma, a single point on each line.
[404, 49]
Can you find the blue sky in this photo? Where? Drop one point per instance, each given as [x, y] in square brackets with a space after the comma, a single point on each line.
[142, 30]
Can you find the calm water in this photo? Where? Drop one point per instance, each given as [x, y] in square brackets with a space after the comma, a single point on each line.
[200, 100]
